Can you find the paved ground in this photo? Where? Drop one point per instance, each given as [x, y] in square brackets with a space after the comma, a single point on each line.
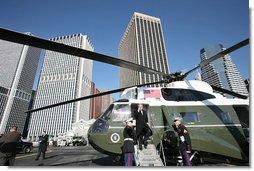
[75, 156]
[67, 156]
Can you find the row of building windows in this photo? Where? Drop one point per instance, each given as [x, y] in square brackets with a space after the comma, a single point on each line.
[58, 77]
[67, 37]
[4, 90]
[22, 95]
[60, 63]
[57, 121]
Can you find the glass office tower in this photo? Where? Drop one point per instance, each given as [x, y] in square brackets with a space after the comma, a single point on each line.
[63, 77]
[143, 44]
[222, 72]
[18, 65]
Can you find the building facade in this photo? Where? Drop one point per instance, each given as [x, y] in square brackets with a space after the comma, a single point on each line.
[63, 77]
[222, 72]
[96, 102]
[99, 104]
[143, 44]
[18, 65]
[106, 101]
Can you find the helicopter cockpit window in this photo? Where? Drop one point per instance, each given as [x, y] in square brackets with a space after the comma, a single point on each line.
[107, 113]
[190, 116]
[99, 126]
[121, 112]
[184, 95]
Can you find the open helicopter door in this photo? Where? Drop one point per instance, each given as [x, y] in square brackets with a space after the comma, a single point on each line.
[169, 132]
[134, 108]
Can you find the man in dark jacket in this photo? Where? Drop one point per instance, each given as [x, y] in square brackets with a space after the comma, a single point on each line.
[129, 141]
[142, 126]
[184, 140]
[43, 145]
[8, 145]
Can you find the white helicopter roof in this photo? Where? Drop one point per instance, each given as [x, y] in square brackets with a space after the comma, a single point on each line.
[193, 85]
[131, 93]
[154, 94]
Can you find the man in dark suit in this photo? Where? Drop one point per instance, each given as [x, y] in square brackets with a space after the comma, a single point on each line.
[143, 130]
[43, 145]
[8, 145]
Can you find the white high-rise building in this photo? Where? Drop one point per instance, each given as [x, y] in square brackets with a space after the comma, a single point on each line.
[18, 65]
[143, 44]
[63, 77]
[222, 72]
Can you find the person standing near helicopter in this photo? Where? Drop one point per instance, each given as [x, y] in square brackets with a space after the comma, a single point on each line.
[184, 140]
[142, 126]
[43, 145]
[130, 140]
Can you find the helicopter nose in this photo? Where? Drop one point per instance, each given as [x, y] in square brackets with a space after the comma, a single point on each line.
[97, 129]
[99, 126]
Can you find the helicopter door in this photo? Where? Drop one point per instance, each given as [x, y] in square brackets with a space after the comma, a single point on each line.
[169, 134]
[243, 115]
[134, 108]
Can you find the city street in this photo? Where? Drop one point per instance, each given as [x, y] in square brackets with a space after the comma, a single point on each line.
[67, 156]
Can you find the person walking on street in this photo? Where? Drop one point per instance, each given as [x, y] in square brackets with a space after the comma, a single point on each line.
[8, 145]
[184, 140]
[43, 140]
[129, 141]
[142, 126]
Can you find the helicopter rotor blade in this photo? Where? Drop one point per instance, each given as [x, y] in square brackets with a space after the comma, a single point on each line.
[21, 38]
[229, 92]
[92, 96]
[220, 54]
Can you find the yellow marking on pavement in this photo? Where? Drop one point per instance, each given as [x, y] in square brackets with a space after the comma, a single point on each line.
[28, 155]
[229, 164]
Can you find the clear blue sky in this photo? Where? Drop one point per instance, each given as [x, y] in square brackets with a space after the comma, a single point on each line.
[188, 26]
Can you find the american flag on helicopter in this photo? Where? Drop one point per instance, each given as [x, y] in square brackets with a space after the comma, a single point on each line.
[153, 93]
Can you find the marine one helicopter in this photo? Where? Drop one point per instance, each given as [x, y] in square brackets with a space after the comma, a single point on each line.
[218, 126]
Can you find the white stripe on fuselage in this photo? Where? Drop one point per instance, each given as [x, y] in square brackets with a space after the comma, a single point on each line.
[188, 126]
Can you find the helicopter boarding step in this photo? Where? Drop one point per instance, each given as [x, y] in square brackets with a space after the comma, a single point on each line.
[148, 156]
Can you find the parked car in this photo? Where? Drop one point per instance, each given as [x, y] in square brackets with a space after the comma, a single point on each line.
[79, 141]
[24, 147]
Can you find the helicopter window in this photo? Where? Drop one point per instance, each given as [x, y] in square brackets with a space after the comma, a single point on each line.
[172, 115]
[121, 112]
[225, 117]
[190, 116]
[99, 126]
[184, 95]
[243, 115]
[106, 114]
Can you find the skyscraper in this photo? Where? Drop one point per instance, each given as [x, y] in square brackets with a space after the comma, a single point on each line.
[143, 44]
[222, 72]
[63, 77]
[18, 64]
